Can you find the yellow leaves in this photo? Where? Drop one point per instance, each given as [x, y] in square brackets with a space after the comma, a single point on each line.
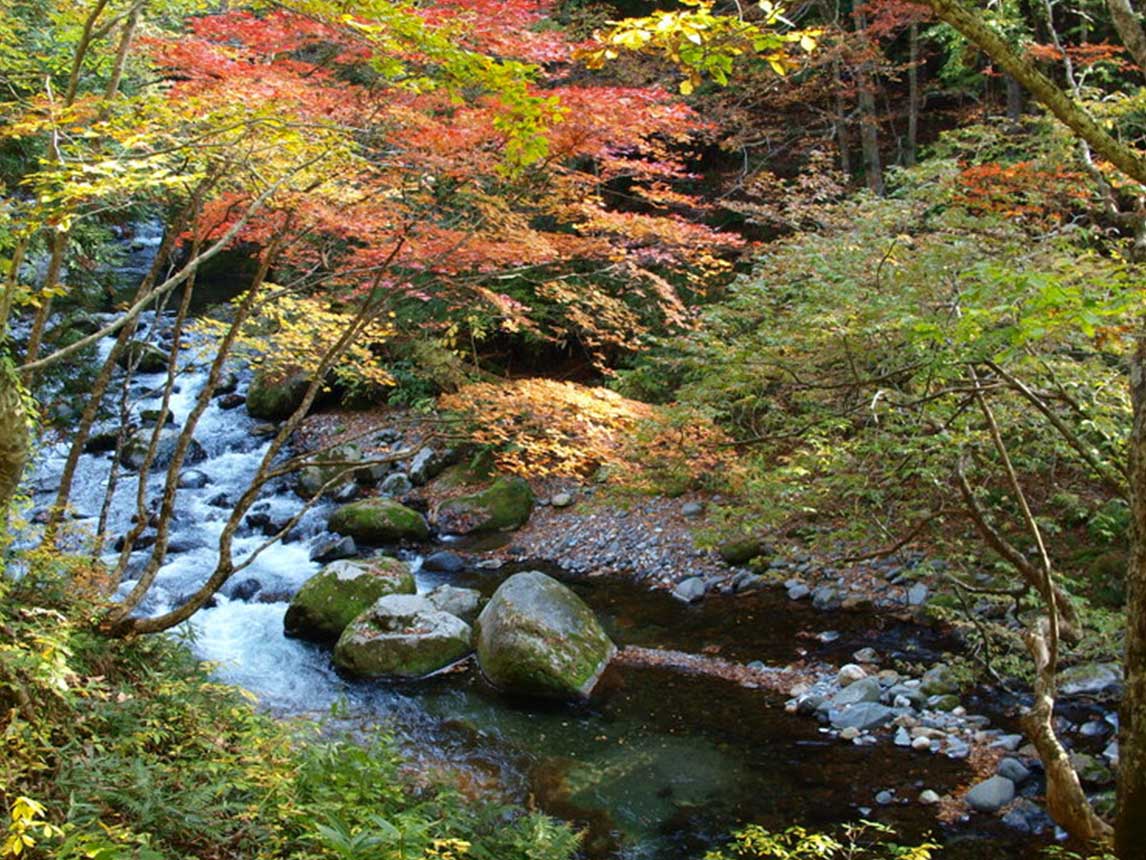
[26, 818]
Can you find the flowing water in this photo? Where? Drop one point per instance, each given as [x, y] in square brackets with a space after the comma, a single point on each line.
[658, 765]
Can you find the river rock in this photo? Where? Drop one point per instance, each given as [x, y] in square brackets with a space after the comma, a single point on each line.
[378, 521]
[863, 690]
[692, 510]
[561, 500]
[1014, 770]
[430, 462]
[503, 506]
[851, 673]
[146, 357]
[928, 797]
[462, 602]
[739, 550]
[245, 589]
[537, 637]
[444, 561]
[690, 590]
[274, 394]
[917, 594]
[402, 636]
[1088, 678]
[231, 401]
[990, 795]
[341, 591]
[327, 467]
[135, 451]
[397, 484]
[826, 597]
[938, 681]
[193, 479]
[332, 548]
[866, 715]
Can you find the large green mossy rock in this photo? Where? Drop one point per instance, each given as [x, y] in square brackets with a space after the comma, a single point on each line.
[536, 637]
[402, 636]
[275, 394]
[377, 521]
[504, 505]
[144, 357]
[342, 591]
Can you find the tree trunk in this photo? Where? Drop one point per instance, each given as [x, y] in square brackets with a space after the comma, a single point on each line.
[912, 95]
[869, 124]
[1130, 830]
[1014, 99]
[843, 135]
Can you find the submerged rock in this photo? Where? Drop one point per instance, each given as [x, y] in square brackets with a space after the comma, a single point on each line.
[341, 591]
[536, 637]
[504, 505]
[444, 561]
[378, 521]
[402, 636]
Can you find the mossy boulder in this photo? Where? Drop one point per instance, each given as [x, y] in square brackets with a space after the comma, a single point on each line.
[326, 467]
[536, 637]
[144, 357]
[402, 636]
[739, 550]
[342, 591]
[378, 521]
[504, 505]
[275, 394]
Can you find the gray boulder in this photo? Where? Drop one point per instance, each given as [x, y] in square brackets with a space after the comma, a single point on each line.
[402, 636]
[866, 715]
[1088, 678]
[863, 690]
[690, 590]
[536, 637]
[462, 602]
[340, 592]
[430, 462]
[135, 451]
[990, 795]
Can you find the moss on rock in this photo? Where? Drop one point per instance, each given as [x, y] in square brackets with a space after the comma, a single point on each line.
[378, 521]
[402, 636]
[340, 592]
[538, 638]
[504, 505]
[275, 395]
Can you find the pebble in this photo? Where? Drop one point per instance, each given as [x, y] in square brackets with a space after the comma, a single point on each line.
[849, 674]
[1014, 770]
[866, 655]
[921, 743]
[692, 509]
[850, 733]
[561, 500]
[885, 797]
[928, 797]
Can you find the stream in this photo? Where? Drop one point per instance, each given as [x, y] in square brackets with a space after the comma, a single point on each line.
[658, 765]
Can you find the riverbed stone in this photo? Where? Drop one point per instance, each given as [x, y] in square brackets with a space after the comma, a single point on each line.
[928, 797]
[444, 561]
[826, 597]
[863, 690]
[561, 500]
[536, 637]
[990, 795]
[865, 715]
[401, 636]
[739, 550]
[462, 602]
[850, 673]
[503, 506]
[341, 591]
[690, 590]
[135, 451]
[430, 462]
[1088, 678]
[146, 357]
[938, 681]
[378, 521]
[397, 484]
[332, 548]
[274, 394]
[1014, 770]
[193, 479]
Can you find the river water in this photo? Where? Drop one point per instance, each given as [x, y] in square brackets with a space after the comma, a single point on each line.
[658, 765]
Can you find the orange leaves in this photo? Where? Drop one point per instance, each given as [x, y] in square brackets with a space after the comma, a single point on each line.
[540, 427]
[544, 427]
[1022, 190]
